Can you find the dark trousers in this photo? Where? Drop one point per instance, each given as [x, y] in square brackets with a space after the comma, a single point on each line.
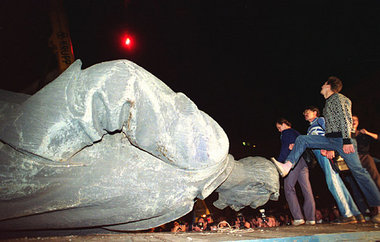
[300, 174]
[369, 164]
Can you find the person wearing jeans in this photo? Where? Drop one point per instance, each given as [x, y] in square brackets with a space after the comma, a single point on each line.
[338, 117]
[346, 205]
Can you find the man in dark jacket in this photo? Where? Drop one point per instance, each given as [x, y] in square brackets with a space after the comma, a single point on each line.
[363, 138]
[299, 174]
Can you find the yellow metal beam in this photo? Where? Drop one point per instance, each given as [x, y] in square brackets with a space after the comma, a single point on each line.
[60, 39]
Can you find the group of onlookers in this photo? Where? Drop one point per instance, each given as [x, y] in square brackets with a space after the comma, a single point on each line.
[330, 139]
[242, 222]
[335, 134]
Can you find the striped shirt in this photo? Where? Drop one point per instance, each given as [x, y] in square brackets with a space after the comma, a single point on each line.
[317, 127]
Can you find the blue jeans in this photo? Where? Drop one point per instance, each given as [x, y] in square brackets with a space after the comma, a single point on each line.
[364, 180]
[356, 193]
[342, 196]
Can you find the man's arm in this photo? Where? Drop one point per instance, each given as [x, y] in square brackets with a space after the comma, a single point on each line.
[345, 119]
[373, 135]
[288, 137]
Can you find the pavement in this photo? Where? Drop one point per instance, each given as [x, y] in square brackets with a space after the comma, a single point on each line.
[320, 232]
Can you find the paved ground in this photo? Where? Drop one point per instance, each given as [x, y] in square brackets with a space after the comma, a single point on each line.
[321, 232]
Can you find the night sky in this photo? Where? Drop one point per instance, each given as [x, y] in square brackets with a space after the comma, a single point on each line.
[245, 63]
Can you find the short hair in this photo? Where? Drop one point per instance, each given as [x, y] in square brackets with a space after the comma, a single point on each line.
[335, 83]
[313, 109]
[283, 121]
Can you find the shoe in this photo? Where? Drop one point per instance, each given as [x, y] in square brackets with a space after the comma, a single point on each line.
[297, 222]
[376, 219]
[360, 218]
[345, 220]
[279, 167]
[310, 222]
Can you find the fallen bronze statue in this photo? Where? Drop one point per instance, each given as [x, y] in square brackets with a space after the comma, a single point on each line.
[112, 146]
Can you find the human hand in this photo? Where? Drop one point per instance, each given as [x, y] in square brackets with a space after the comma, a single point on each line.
[291, 146]
[324, 152]
[363, 131]
[330, 154]
[348, 148]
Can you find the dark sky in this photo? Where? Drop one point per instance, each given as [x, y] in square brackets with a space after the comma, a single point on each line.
[243, 62]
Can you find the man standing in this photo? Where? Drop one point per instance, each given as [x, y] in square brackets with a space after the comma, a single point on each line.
[363, 139]
[338, 117]
[299, 174]
[347, 207]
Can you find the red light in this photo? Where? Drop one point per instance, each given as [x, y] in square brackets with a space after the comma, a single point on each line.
[127, 41]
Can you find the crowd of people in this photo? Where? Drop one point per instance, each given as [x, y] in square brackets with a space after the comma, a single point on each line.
[334, 134]
[329, 139]
[242, 222]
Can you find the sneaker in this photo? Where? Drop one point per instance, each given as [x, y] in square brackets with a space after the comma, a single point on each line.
[310, 222]
[376, 218]
[297, 222]
[345, 220]
[279, 167]
[360, 218]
